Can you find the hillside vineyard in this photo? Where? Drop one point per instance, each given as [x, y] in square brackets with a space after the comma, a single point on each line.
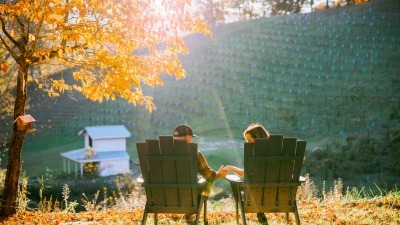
[331, 72]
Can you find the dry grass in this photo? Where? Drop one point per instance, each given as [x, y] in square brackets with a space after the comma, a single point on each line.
[335, 206]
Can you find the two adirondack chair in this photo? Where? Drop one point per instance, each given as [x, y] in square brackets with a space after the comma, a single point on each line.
[169, 171]
[271, 177]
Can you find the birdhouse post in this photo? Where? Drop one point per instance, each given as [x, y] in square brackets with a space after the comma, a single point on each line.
[24, 123]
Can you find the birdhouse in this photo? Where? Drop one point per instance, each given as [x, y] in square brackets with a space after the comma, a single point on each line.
[24, 123]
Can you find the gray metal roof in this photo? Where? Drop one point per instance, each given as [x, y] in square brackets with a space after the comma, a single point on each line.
[79, 156]
[106, 132]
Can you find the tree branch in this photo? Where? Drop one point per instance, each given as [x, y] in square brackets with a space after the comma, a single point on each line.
[9, 49]
[55, 53]
[3, 28]
[32, 46]
[21, 24]
[64, 41]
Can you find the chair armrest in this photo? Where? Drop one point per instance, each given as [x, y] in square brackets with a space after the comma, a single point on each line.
[140, 180]
[302, 179]
[201, 180]
[234, 178]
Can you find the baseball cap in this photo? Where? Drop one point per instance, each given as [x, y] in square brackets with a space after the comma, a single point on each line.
[183, 130]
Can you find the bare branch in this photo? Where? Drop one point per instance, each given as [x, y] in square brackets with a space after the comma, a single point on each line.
[9, 49]
[64, 41]
[3, 28]
[32, 45]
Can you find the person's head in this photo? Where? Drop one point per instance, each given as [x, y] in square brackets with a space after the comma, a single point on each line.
[183, 132]
[254, 131]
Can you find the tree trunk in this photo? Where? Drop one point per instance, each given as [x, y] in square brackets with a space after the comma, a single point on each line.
[10, 191]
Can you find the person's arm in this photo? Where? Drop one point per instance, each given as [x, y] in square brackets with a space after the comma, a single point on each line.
[234, 169]
[221, 173]
[204, 170]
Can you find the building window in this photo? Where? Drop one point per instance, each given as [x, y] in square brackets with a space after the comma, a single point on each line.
[90, 142]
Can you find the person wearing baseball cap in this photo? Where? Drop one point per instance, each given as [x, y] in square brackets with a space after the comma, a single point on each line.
[184, 132]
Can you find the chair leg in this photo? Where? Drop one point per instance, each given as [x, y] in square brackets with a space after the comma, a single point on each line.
[155, 218]
[205, 211]
[235, 191]
[242, 208]
[287, 217]
[197, 219]
[243, 217]
[237, 212]
[201, 200]
[296, 214]
[145, 213]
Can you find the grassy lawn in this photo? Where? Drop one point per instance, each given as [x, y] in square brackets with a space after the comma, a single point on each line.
[41, 154]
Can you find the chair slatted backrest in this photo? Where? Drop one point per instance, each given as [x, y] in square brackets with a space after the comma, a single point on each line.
[169, 170]
[187, 173]
[272, 170]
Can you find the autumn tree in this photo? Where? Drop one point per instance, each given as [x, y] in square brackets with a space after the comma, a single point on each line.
[338, 3]
[115, 46]
[342, 3]
[211, 11]
[249, 9]
[284, 7]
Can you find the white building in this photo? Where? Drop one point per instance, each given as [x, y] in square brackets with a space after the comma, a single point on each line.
[105, 145]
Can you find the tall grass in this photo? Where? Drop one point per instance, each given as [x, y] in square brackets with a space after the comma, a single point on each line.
[129, 195]
[336, 205]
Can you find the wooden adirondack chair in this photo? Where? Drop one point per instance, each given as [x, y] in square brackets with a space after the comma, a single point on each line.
[271, 177]
[169, 171]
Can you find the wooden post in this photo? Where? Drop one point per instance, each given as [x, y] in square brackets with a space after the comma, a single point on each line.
[81, 169]
[76, 169]
[64, 165]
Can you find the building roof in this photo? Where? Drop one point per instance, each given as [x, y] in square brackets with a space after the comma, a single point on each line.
[80, 156]
[26, 118]
[106, 132]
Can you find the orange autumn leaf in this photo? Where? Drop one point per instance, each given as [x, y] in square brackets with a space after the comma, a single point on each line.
[4, 67]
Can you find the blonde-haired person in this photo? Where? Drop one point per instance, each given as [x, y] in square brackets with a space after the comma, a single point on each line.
[252, 132]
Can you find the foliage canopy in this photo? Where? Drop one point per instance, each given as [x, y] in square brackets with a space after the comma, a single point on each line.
[114, 44]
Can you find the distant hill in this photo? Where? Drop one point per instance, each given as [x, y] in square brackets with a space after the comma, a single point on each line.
[331, 72]
[327, 74]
